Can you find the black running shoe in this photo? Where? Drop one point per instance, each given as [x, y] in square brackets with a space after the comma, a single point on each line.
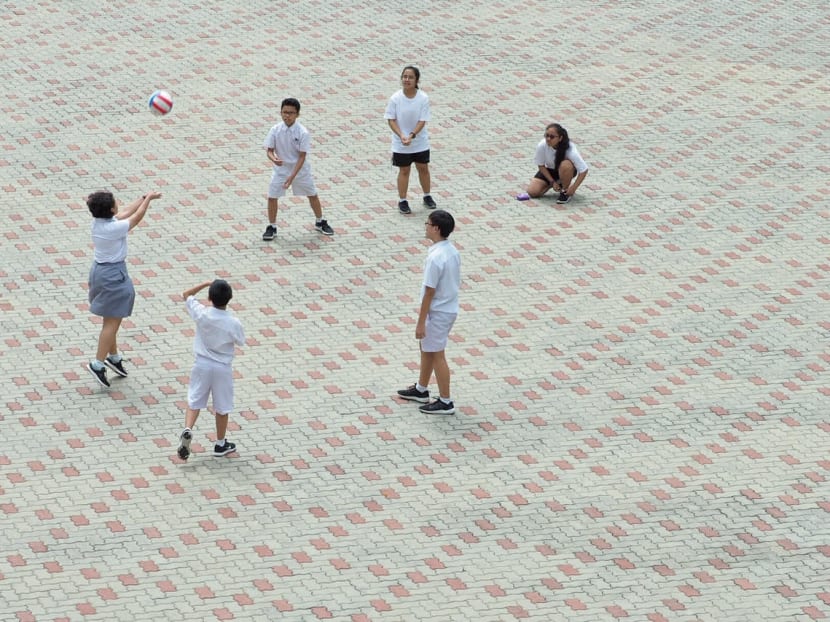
[117, 367]
[100, 375]
[270, 233]
[563, 197]
[403, 207]
[184, 444]
[438, 408]
[225, 449]
[430, 202]
[413, 394]
[323, 227]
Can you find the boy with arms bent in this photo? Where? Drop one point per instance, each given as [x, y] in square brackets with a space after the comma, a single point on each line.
[217, 332]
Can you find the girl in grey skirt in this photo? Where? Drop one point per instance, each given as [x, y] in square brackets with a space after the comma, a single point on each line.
[111, 293]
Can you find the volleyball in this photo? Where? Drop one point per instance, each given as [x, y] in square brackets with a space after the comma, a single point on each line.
[161, 103]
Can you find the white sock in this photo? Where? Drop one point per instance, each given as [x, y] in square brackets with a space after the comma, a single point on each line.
[115, 358]
[97, 365]
[445, 400]
[419, 387]
[220, 442]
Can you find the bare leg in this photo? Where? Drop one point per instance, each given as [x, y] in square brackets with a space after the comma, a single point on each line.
[537, 187]
[190, 416]
[442, 373]
[567, 172]
[403, 181]
[273, 205]
[423, 176]
[427, 363]
[221, 425]
[317, 208]
[107, 338]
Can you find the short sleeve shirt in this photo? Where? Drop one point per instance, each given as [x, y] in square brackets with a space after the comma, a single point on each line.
[109, 239]
[442, 272]
[288, 142]
[546, 156]
[217, 332]
[407, 112]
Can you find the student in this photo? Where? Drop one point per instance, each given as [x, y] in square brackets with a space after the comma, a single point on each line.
[111, 291]
[436, 316]
[217, 332]
[560, 166]
[288, 144]
[407, 114]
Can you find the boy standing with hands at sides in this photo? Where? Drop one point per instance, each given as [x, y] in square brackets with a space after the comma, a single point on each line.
[217, 332]
[287, 145]
[436, 316]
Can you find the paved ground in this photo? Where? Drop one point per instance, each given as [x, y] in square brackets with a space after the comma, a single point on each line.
[641, 374]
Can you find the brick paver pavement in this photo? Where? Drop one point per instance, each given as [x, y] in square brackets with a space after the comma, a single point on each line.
[641, 374]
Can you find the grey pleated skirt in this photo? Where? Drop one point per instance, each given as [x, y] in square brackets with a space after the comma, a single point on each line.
[111, 291]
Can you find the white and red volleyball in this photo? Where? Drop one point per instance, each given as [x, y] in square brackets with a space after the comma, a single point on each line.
[161, 103]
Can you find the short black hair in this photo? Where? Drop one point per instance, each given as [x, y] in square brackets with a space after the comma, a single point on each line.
[290, 101]
[100, 204]
[220, 293]
[444, 221]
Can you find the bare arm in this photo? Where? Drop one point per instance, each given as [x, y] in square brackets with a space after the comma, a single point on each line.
[276, 160]
[136, 210]
[297, 167]
[195, 289]
[576, 183]
[421, 326]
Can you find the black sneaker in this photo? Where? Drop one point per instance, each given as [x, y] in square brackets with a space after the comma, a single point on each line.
[184, 444]
[430, 202]
[225, 449]
[117, 367]
[323, 227]
[438, 408]
[413, 394]
[100, 375]
[270, 233]
[563, 198]
[403, 207]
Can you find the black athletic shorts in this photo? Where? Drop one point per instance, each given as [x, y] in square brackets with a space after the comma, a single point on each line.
[406, 159]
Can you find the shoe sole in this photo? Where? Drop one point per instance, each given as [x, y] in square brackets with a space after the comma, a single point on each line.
[325, 232]
[223, 453]
[428, 206]
[97, 377]
[451, 411]
[184, 448]
[271, 239]
[118, 372]
[412, 398]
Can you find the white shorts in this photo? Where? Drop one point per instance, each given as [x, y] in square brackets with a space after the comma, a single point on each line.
[302, 186]
[210, 378]
[437, 331]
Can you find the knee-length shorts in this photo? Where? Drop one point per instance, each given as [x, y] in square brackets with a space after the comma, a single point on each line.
[210, 378]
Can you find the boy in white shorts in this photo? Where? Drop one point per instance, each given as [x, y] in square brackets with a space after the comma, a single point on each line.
[217, 333]
[287, 145]
[436, 316]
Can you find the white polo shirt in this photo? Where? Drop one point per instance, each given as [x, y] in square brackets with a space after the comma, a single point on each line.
[217, 332]
[442, 272]
[288, 142]
[109, 239]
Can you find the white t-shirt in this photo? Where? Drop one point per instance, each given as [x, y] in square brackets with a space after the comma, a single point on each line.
[217, 332]
[109, 239]
[408, 112]
[442, 271]
[546, 156]
[289, 142]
